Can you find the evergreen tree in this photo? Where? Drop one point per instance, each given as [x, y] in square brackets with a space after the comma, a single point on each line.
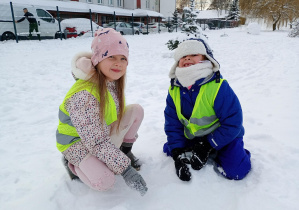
[189, 27]
[175, 20]
[234, 12]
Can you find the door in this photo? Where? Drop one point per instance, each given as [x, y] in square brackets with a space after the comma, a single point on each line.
[47, 25]
[138, 4]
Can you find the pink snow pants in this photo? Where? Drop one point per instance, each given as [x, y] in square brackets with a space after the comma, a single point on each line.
[94, 172]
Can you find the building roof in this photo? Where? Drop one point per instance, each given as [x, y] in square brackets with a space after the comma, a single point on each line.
[73, 6]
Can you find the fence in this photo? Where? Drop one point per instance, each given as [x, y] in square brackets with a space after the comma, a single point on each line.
[55, 24]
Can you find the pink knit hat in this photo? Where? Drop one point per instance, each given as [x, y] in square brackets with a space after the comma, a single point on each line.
[108, 42]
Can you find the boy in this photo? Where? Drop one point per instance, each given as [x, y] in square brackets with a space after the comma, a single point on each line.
[203, 116]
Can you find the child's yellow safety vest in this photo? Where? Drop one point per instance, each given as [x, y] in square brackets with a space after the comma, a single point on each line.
[66, 134]
[203, 119]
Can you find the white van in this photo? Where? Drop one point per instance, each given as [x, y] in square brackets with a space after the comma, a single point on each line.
[47, 25]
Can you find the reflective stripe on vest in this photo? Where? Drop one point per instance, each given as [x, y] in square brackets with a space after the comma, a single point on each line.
[66, 134]
[203, 119]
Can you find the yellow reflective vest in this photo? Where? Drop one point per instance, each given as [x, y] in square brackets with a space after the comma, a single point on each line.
[203, 119]
[66, 134]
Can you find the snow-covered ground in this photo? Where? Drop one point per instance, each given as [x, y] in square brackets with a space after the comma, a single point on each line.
[262, 69]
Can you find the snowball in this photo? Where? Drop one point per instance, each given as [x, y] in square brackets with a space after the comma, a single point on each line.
[254, 28]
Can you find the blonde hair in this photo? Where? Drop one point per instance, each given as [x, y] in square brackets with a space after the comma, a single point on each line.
[99, 80]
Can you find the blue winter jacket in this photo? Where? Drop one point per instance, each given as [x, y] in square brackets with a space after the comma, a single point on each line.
[227, 108]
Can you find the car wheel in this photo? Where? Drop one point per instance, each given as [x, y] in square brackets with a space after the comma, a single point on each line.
[137, 32]
[122, 33]
[8, 36]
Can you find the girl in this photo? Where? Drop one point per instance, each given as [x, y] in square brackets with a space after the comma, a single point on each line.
[96, 130]
[203, 115]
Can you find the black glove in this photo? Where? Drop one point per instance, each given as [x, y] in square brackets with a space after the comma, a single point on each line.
[201, 152]
[181, 167]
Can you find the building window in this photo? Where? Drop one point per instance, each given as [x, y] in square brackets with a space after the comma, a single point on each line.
[119, 3]
[100, 1]
[110, 2]
[147, 3]
[89, 1]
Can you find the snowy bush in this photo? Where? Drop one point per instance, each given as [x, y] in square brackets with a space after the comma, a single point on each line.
[173, 43]
[254, 28]
[295, 31]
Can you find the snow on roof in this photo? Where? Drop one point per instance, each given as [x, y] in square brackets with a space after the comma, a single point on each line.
[72, 6]
[210, 14]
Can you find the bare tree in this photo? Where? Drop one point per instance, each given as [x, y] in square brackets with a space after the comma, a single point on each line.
[180, 4]
[201, 4]
[271, 11]
[220, 5]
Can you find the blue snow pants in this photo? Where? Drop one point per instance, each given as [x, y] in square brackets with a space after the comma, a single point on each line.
[233, 161]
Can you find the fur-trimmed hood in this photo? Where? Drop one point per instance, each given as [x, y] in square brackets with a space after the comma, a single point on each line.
[82, 67]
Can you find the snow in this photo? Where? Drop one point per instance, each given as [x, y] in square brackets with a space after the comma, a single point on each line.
[262, 70]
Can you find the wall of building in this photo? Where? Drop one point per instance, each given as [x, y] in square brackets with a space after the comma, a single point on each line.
[104, 2]
[130, 4]
[167, 7]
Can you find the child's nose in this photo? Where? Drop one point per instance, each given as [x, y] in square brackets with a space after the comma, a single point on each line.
[118, 63]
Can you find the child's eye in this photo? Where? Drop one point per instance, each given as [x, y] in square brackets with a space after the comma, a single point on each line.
[124, 59]
[111, 56]
[194, 55]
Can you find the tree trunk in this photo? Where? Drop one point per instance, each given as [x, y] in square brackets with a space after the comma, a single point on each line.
[274, 26]
[275, 22]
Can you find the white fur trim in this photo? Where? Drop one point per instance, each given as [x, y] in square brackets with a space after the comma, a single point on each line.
[78, 73]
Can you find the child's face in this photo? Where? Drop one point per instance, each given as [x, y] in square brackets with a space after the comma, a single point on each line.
[113, 67]
[190, 60]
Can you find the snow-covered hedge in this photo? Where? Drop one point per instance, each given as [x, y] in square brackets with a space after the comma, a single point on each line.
[295, 31]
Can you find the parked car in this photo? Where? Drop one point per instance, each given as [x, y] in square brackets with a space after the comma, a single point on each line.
[140, 26]
[123, 28]
[47, 26]
[154, 28]
[79, 26]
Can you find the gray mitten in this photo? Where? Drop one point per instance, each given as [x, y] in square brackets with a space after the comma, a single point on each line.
[134, 180]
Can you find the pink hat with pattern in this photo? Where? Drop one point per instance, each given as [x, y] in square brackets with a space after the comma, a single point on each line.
[108, 42]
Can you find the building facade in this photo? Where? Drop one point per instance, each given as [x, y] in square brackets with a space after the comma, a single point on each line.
[125, 4]
[150, 10]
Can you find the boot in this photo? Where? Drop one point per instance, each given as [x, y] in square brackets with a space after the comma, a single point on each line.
[126, 148]
[69, 172]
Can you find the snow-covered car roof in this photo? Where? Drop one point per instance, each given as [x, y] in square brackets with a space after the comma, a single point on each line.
[81, 24]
